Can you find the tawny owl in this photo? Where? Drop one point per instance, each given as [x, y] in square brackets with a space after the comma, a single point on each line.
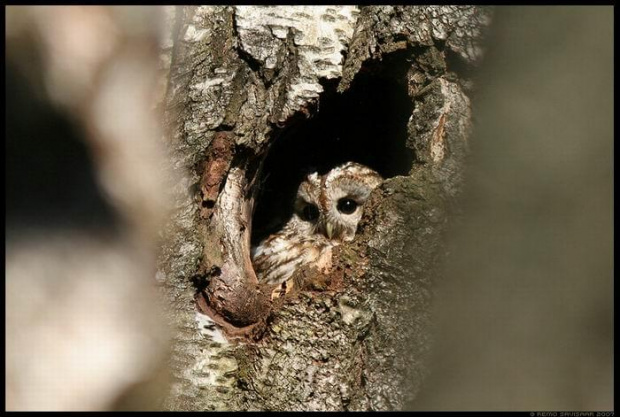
[326, 212]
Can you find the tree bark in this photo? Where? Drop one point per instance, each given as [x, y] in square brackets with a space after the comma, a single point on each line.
[240, 78]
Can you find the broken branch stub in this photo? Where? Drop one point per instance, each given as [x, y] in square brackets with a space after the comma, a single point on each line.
[357, 338]
[233, 297]
[214, 170]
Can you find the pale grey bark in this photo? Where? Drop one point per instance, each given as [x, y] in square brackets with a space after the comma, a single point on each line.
[239, 72]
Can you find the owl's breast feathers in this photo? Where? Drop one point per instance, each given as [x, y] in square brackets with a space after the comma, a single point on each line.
[280, 255]
[308, 239]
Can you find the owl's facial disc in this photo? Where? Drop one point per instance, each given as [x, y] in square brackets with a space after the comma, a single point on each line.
[331, 205]
[341, 225]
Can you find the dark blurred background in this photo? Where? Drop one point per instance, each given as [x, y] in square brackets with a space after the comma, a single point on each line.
[526, 304]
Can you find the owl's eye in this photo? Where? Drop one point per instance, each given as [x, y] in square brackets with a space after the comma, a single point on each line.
[346, 205]
[310, 212]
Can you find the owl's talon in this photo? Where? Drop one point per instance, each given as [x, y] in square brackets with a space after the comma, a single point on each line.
[282, 289]
[278, 291]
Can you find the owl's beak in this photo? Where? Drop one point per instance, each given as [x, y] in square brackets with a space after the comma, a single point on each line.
[329, 229]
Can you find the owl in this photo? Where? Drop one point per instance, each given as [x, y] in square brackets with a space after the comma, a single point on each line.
[327, 209]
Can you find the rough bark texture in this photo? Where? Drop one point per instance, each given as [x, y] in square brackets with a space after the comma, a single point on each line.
[237, 76]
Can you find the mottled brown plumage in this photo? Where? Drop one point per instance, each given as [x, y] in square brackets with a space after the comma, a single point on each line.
[327, 210]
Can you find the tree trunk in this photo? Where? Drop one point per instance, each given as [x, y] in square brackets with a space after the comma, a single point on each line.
[252, 91]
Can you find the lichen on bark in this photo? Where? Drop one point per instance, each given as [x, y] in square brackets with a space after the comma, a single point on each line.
[358, 345]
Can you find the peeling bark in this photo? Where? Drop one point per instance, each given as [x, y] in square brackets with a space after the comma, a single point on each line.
[238, 76]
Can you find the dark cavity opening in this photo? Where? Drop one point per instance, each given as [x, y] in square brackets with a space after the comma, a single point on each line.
[366, 124]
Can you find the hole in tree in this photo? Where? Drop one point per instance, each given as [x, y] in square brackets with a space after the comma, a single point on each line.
[366, 124]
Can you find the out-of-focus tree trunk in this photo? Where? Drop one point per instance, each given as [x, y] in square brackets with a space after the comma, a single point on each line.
[85, 202]
[239, 79]
[527, 303]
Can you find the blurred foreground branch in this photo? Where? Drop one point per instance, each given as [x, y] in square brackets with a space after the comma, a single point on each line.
[85, 202]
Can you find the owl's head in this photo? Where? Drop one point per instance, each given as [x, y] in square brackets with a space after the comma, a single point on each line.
[332, 204]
